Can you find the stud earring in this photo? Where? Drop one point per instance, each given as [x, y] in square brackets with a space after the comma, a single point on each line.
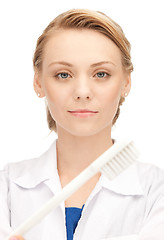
[125, 94]
[38, 94]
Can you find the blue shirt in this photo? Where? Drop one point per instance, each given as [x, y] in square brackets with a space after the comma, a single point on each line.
[73, 215]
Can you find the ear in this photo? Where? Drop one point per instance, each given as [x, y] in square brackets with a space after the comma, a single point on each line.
[126, 85]
[38, 85]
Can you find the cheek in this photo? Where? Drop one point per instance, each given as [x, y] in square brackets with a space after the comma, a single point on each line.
[110, 101]
[55, 106]
[55, 102]
[56, 97]
[111, 95]
[54, 93]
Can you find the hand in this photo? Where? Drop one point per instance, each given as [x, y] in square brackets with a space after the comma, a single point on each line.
[16, 238]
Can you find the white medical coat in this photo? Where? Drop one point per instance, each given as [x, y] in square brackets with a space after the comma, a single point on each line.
[131, 204]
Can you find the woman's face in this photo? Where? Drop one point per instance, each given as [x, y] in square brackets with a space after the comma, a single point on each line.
[82, 79]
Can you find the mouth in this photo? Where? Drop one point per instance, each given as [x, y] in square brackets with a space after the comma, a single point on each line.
[83, 113]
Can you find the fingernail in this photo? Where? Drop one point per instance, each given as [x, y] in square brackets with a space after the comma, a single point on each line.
[13, 238]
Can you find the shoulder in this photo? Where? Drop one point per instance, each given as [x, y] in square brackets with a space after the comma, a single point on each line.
[151, 178]
[149, 171]
[17, 169]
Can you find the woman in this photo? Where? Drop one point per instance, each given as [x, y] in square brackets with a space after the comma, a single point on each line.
[83, 68]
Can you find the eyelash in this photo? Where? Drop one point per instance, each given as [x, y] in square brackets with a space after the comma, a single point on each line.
[57, 75]
[107, 75]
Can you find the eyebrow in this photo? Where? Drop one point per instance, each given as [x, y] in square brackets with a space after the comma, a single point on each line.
[92, 65]
[101, 63]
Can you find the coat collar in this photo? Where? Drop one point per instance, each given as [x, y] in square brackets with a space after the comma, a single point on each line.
[30, 173]
[127, 183]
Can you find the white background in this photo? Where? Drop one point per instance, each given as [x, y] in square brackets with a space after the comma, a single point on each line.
[23, 128]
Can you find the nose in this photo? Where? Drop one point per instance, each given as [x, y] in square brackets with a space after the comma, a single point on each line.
[83, 90]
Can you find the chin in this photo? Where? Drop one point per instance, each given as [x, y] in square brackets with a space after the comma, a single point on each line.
[86, 131]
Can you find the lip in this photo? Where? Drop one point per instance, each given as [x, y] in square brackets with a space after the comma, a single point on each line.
[83, 113]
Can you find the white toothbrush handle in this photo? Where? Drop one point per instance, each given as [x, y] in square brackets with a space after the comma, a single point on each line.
[71, 187]
[54, 202]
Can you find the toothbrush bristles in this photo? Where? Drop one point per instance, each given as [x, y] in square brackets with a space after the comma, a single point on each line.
[121, 161]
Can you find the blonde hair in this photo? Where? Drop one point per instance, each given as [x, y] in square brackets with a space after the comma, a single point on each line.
[80, 19]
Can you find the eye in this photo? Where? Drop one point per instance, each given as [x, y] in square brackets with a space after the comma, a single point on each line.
[62, 75]
[102, 74]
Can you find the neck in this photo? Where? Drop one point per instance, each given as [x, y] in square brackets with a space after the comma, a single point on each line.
[75, 153]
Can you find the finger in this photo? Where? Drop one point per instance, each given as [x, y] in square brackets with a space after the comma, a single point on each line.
[16, 238]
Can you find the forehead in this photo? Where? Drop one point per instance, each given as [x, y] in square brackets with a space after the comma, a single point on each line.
[80, 44]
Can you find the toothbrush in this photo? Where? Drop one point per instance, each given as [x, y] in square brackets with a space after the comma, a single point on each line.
[111, 163]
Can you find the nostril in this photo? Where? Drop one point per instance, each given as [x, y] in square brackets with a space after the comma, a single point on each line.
[83, 97]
